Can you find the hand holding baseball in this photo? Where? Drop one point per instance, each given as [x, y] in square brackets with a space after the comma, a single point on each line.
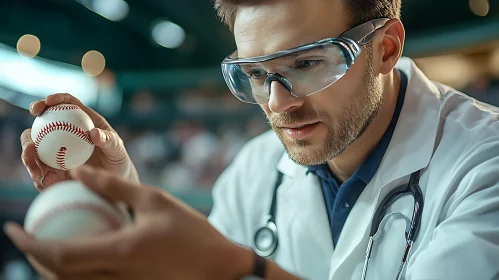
[167, 240]
[109, 152]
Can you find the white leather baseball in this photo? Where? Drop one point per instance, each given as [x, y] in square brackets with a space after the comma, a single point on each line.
[70, 210]
[62, 136]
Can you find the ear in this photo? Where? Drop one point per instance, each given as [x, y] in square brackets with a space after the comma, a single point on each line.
[392, 38]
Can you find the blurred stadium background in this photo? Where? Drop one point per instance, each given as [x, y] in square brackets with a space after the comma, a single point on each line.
[151, 67]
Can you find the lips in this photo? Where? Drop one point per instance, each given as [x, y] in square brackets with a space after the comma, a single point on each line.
[297, 125]
[300, 130]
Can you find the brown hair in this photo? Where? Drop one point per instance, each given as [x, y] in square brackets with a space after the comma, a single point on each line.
[360, 10]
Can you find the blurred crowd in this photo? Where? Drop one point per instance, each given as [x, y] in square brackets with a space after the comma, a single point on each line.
[193, 135]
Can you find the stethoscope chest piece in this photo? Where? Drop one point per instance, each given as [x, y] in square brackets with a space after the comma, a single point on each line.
[266, 239]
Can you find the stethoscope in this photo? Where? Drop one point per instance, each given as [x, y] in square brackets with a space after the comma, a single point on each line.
[266, 241]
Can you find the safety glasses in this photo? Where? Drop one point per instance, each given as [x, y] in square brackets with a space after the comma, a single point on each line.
[303, 70]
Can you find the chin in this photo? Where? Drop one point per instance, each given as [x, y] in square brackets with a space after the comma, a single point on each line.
[305, 151]
[306, 155]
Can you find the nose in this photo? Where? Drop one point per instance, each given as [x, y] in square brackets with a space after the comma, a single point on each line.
[281, 100]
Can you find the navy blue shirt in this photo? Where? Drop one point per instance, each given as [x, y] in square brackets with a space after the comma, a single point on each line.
[339, 201]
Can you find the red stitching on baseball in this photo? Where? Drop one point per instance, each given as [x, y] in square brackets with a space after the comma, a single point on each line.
[112, 221]
[60, 158]
[63, 107]
[64, 126]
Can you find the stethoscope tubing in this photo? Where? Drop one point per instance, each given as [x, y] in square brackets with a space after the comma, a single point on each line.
[411, 188]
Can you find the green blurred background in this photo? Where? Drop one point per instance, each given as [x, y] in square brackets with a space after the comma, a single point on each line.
[152, 68]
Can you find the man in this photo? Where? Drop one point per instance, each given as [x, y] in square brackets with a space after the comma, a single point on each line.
[352, 123]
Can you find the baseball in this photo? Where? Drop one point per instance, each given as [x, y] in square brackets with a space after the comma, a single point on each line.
[69, 210]
[62, 136]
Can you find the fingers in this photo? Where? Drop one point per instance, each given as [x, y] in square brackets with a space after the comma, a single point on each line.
[29, 157]
[52, 177]
[37, 107]
[102, 138]
[67, 98]
[42, 175]
[70, 256]
[110, 144]
[111, 186]
[46, 274]
[42, 271]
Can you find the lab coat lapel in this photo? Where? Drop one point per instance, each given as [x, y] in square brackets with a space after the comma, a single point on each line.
[302, 219]
[410, 149]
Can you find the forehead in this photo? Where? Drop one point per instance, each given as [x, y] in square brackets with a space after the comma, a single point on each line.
[276, 25]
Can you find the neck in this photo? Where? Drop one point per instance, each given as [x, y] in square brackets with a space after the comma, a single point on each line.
[344, 165]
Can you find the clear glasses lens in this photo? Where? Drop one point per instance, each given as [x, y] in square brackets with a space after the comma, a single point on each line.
[308, 71]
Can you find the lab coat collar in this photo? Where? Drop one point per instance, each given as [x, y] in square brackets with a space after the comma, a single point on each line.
[409, 149]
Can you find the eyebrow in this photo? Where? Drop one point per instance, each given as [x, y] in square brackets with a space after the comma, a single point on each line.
[246, 68]
[295, 54]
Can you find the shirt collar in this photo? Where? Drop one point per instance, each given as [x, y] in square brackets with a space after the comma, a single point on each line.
[367, 170]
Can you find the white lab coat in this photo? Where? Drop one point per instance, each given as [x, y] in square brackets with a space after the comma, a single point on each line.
[451, 137]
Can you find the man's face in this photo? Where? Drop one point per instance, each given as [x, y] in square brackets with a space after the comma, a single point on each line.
[334, 117]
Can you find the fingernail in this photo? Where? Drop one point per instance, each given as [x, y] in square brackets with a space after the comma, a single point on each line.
[31, 105]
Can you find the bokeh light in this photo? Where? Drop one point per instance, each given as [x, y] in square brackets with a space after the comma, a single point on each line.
[93, 63]
[168, 34]
[114, 10]
[28, 45]
[480, 7]
[454, 70]
[494, 62]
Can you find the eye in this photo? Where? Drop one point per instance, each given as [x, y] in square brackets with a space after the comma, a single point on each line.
[257, 73]
[305, 64]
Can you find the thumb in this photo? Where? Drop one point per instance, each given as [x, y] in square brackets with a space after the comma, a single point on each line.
[17, 235]
[108, 185]
[110, 143]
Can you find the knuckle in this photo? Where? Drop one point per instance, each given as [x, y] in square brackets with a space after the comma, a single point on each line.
[117, 138]
[66, 97]
[24, 157]
[25, 138]
[26, 150]
[28, 156]
[38, 186]
[71, 98]
[26, 132]
[120, 142]
[55, 94]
